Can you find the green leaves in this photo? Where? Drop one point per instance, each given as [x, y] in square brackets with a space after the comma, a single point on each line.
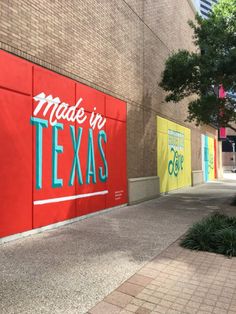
[225, 9]
[201, 73]
[216, 233]
[180, 75]
[210, 109]
[225, 241]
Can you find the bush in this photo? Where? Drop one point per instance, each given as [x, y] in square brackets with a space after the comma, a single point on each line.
[216, 233]
[226, 241]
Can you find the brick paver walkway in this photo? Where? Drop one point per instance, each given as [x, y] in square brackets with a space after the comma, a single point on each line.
[177, 281]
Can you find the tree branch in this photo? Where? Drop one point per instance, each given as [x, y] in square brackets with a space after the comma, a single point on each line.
[231, 127]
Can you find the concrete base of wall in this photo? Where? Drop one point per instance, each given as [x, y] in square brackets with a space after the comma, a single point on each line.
[220, 173]
[31, 232]
[142, 189]
[197, 177]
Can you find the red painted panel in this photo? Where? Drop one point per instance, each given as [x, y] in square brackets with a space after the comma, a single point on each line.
[115, 108]
[16, 163]
[91, 203]
[15, 73]
[91, 98]
[54, 84]
[116, 155]
[24, 205]
[215, 158]
[57, 86]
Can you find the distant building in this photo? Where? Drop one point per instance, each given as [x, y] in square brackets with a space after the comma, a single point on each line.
[204, 6]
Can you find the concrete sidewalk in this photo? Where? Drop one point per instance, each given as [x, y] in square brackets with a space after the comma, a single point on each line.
[70, 269]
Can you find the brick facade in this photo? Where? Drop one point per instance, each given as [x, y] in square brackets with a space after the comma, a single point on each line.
[228, 160]
[228, 157]
[116, 46]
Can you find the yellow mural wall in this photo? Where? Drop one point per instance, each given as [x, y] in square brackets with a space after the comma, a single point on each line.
[211, 172]
[173, 155]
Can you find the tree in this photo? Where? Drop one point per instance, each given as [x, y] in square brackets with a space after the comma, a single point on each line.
[201, 73]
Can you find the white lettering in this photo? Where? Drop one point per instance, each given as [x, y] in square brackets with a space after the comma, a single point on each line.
[60, 110]
[97, 120]
[61, 115]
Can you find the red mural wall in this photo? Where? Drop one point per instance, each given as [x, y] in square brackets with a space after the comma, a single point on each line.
[215, 159]
[63, 148]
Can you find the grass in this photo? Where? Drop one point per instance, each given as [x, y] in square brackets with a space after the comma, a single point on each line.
[216, 233]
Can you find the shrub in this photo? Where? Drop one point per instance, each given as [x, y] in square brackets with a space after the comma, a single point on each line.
[226, 241]
[216, 233]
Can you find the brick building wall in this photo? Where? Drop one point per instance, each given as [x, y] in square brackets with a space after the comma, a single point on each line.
[116, 46]
[228, 160]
